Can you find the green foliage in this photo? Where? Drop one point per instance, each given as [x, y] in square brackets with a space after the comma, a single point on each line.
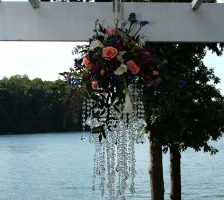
[35, 106]
[186, 110]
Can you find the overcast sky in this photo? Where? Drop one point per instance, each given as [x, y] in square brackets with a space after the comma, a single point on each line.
[36, 59]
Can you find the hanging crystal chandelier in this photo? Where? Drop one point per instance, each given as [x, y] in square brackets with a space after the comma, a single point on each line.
[112, 72]
[114, 156]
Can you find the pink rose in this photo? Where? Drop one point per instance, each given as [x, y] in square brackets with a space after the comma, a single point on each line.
[86, 62]
[109, 52]
[133, 67]
[111, 31]
[94, 84]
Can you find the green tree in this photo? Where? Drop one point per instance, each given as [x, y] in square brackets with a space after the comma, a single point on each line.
[186, 110]
[35, 106]
[167, 52]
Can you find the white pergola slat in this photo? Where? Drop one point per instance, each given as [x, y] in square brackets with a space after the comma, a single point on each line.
[169, 22]
[35, 3]
[196, 4]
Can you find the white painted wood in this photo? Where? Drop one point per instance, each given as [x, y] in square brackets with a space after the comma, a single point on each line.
[35, 3]
[196, 4]
[169, 22]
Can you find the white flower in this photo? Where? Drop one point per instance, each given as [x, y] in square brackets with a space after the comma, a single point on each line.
[128, 104]
[120, 56]
[120, 70]
[94, 44]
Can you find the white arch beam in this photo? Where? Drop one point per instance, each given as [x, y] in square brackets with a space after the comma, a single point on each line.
[56, 21]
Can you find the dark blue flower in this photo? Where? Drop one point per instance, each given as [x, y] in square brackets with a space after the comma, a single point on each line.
[143, 23]
[76, 82]
[132, 18]
[112, 41]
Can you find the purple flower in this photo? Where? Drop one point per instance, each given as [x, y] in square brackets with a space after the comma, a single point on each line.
[69, 82]
[143, 23]
[95, 68]
[78, 63]
[86, 75]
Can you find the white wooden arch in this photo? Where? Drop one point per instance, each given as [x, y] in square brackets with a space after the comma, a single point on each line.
[74, 21]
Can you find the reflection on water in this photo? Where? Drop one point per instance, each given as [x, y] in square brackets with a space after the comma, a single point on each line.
[59, 167]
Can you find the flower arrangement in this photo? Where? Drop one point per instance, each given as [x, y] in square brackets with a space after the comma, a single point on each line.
[114, 58]
[112, 71]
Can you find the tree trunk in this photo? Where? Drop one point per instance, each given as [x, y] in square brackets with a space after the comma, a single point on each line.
[175, 174]
[156, 171]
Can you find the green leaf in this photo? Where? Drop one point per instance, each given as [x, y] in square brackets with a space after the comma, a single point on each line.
[102, 29]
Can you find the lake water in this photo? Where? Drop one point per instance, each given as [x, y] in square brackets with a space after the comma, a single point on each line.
[59, 167]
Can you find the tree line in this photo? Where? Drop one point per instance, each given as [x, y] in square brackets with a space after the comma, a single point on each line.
[31, 106]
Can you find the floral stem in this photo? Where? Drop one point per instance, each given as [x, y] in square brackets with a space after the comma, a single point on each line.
[125, 84]
[130, 28]
[138, 31]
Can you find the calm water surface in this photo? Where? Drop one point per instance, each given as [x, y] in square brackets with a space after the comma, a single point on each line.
[59, 167]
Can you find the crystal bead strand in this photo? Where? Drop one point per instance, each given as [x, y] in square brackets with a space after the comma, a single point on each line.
[108, 155]
[142, 123]
[113, 163]
[83, 138]
[131, 152]
[132, 170]
[102, 167]
[110, 163]
[88, 118]
[122, 168]
[95, 161]
[88, 108]
[119, 163]
[94, 172]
